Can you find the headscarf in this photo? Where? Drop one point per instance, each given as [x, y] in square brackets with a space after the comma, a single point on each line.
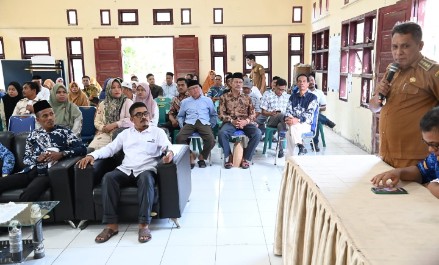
[79, 98]
[112, 105]
[65, 112]
[148, 100]
[10, 102]
[94, 82]
[48, 83]
[208, 83]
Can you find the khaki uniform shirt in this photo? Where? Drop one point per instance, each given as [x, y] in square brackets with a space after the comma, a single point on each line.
[413, 92]
[256, 75]
[232, 108]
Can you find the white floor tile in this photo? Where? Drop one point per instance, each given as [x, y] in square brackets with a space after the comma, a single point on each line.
[239, 219]
[193, 255]
[240, 236]
[233, 206]
[198, 206]
[51, 255]
[193, 237]
[143, 254]
[85, 256]
[160, 237]
[240, 255]
[199, 220]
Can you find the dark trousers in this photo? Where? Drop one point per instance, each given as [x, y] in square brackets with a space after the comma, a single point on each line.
[115, 180]
[35, 185]
[250, 130]
[205, 132]
[277, 121]
[324, 121]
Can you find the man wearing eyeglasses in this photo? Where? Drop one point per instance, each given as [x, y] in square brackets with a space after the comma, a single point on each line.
[274, 106]
[143, 145]
[425, 172]
[217, 89]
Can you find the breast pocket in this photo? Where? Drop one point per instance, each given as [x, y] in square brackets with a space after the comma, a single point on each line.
[151, 148]
[408, 92]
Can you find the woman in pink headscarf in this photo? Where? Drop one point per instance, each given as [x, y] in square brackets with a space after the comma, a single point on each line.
[143, 94]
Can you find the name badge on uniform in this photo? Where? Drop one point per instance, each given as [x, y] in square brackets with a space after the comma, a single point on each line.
[412, 79]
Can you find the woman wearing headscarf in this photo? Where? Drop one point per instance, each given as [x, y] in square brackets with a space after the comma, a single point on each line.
[8, 102]
[49, 84]
[209, 82]
[77, 96]
[112, 113]
[143, 94]
[67, 114]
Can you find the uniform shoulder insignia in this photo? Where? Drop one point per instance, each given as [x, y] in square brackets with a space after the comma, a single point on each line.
[426, 63]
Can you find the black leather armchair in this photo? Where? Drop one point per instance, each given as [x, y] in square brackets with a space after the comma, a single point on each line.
[173, 188]
[60, 175]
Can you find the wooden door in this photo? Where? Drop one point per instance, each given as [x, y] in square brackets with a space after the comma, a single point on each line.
[185, 56]
[387, 17]
[108, 58]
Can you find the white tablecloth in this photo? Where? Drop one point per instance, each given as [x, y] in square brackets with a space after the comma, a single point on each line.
[327, 214]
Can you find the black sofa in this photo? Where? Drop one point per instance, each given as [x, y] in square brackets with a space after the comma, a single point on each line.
[173, 188]
[60, 175]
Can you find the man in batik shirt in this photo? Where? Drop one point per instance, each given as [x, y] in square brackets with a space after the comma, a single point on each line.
[44, 147]
[172, 124]
[238, 113]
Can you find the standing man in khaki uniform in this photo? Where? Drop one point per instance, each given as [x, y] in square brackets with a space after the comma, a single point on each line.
[412, 92]
[257, 74]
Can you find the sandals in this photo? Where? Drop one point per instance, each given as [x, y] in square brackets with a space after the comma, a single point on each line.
[228, 165]
[105, 235]
[244, 164]
[144, 235]
[201, 163]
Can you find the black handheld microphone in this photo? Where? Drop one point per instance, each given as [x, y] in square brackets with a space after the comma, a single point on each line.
[392, 70]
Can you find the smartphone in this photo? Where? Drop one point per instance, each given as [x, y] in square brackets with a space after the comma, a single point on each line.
[377, 190]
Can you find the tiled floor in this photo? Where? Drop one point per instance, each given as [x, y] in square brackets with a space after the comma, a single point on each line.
[228, 220]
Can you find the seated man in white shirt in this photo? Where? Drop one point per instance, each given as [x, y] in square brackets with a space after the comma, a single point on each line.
[143, 146]
[25, 105]
[44, 93]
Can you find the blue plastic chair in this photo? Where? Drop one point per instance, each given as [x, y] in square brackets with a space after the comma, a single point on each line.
[22, 123]
[88, 124]
[314, 127]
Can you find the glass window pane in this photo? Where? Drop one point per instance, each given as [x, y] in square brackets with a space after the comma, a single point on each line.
[1, 48]
[219, 65]
[72, 17]
[78, 72]
[256, 44]
[163, 16]
[37, 47]
[360, 33]
[128, 17]
[105, 17]
[262, 60]
[295, 43]
[186, 16]
[76, 47]
[217, 15]
[297, 14]
[218, 45]
[373, 28]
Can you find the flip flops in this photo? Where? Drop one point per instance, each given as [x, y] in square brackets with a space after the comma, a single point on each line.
[105, 235]
[144, 235]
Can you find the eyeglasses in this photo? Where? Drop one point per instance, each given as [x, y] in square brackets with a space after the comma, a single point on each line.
[433, 145]
[139, 115]
[218, 79]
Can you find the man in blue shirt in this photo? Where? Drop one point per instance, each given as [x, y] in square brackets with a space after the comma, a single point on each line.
[299, 115]
[197, 114]
[217, 89]
[425, 172]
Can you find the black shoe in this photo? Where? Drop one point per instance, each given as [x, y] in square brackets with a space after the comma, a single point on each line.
[201, 163]
[302, 150]
[317, 148]
[280, 154]
[330, 124]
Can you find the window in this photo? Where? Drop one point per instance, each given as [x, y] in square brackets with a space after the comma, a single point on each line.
[186, 16]
[163, 16]
[295, 53]
[217, 16]
[297, 14]
[314, 10]
[260, 47]
[218, 54]
[2, 50]
[72, 19]
[105, 17]
[357, 55]
[128, 17]
[75, 57]
[320, 7]
[34, 46]
[320, 54]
